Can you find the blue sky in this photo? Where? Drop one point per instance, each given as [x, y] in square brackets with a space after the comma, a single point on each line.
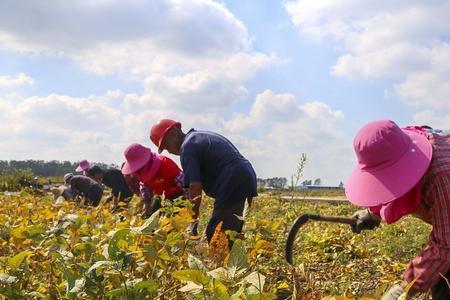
[279, 78]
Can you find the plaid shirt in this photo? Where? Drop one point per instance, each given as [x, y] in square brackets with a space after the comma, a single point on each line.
[434, 261]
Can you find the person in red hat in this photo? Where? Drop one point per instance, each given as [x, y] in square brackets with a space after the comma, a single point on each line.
[403, 171]
[158, 173]
[213, 164]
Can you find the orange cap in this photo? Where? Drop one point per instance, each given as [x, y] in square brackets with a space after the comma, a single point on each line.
[160, 129]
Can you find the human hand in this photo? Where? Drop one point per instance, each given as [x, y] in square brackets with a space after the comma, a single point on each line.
[364, 220]
[393, 293]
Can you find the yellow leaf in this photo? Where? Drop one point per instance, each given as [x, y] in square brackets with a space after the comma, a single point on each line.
[182, 220]
[283, 285]
[16, 261]
[406, 290]
[263, 246]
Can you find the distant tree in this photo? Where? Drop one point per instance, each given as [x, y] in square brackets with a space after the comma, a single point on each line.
[45, 168]
[307, 182]
[341, 185]
[274, 182]
[317, 181]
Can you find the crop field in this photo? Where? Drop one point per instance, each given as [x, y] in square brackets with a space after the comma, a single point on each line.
[69, 252]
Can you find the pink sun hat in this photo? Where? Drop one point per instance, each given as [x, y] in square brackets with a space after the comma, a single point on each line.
[391, 161]
[83, 165]
[137, 156]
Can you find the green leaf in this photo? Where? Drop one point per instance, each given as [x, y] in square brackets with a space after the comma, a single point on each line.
[271, 296]
[220, 290]
[78, 286]
[220, 274]
[87, 248]
[78, 221]
[70, 278]
[238, 256]
[16, 261]
[103, 263]
[35, 232]
[120, 292]
[194, 276]
[149, 225]
[8, 279]
[256, 281]
[148, 285]
[151, 252]
[195, 263]
[174, 238]
[24, 194]
[68, 275]
[191, 288]
[114, 251]
[237, 295]
[35, 295]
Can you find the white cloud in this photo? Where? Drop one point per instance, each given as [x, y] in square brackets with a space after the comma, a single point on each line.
[59, 126]
[193, 58]
[64, 127]
[267, 107]
[438, 120]
[12, 81]
[190, 55]
[134, 37]
[429, 88]
[289, 129]
[200, 90]
[406, 41]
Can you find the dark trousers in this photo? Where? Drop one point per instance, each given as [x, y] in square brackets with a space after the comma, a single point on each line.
[441, 291]
[227, 215]
[94, 195]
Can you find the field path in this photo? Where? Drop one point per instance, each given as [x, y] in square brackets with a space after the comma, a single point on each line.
[322, 198]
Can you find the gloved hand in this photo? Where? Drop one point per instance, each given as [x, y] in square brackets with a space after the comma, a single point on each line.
[364, 220]
[393, 293]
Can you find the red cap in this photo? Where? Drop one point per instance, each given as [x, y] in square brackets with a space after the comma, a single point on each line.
[160, 129]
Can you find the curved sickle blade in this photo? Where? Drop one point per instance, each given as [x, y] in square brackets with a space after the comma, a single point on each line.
[299, 222]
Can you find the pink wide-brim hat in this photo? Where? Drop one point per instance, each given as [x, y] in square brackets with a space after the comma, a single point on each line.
[137, 156]
[391, 161]
[83, 165]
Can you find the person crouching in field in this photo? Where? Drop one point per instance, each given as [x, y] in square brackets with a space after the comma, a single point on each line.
[213, 164]
[140, 189]
[400, 172]
[90, 190]
[83, 166]
[63, 192]
[114, 179]
[158, 173]
[96, 173]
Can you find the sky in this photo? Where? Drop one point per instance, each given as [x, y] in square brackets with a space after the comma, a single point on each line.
[83, 79]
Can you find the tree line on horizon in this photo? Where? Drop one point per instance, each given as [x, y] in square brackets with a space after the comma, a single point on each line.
[281, 182]
[56, 168]
[53, 168]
